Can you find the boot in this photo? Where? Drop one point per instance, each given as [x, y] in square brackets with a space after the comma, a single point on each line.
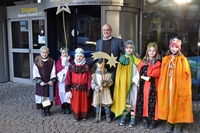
[108, 119]
[96, 116]
[43, 112]
[153, 124]
[63, 108]
[67, 108]
[145, 122]
[107, 111]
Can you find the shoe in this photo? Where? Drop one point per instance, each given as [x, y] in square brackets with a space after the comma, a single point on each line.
[153, 124]
[168, 127]
[132, 122]
[67, 109]
[43, 113]
[122, 121]
[145, 123]
[177, 128]
[47, 110]
[63, 108]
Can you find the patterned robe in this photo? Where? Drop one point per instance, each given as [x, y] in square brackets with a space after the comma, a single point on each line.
[174, 90]
[146, 105]
[78, 81]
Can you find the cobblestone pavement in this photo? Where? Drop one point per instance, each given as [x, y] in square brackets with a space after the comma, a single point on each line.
[18, 114]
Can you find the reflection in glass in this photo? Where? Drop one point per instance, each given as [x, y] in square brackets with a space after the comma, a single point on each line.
[83, 27]
[35, 55]
[175, 19]
[20, 36]
[38, 33]
[89, 27]
[21, 65]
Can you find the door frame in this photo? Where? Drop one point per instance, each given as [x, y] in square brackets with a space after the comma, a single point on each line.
[29, 50]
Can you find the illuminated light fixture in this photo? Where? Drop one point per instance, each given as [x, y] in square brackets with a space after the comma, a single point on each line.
[183, 1]
[152, 1]
[90, 42]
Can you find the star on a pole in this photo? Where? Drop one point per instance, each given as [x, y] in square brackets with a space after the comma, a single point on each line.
[111, 59]
[62, 5]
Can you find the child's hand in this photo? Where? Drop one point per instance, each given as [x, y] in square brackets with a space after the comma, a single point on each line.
[101, 88]
[42, 83]
[50, 83]
[133, 82]
[105, 83]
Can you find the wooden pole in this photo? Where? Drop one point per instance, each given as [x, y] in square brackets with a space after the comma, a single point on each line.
[100, 97]
[64, 28]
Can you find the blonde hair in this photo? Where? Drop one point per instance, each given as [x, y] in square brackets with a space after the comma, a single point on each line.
[39, 62]
[146, 58]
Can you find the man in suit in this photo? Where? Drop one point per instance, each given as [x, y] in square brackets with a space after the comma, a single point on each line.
[110, 44]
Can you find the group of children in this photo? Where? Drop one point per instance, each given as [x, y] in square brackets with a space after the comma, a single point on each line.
[143, 88]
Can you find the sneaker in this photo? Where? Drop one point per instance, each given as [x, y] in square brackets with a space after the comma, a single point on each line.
[177, 128]
[122, 121]
[168, 127]
[145, 123]
[132, 122]
[153, 124]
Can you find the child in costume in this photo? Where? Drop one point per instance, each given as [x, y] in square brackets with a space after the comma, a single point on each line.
[149, 69]
[102, 86]
[126, 84]
[174, 89]
[62, 66]
[78, 81]
[44, 76]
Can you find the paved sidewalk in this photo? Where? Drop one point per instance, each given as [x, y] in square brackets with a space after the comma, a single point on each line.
[18, 114]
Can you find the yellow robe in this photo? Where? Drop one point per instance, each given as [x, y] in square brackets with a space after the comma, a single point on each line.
[122, 86]
[178, 108]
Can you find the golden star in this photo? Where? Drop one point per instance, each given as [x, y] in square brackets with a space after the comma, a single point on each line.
[62, 5]
[112, 61]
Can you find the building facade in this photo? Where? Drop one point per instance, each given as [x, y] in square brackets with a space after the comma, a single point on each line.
[28, 26]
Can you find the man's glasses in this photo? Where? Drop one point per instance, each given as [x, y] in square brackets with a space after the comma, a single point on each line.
[106, 29]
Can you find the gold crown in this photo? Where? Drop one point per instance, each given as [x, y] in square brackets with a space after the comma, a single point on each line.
[44, 49]
[99, 65]
[175, 41]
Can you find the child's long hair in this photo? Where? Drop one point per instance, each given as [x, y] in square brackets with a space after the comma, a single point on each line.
[39, 62]
[146, 58]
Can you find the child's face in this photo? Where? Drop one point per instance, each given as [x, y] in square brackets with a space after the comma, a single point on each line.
[79, 58]
[152, 52]
[64, 53]
[174, 49]
[44, 54]
[99, 68]
[129, 48]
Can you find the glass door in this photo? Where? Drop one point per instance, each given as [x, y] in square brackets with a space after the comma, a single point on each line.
[25, 38]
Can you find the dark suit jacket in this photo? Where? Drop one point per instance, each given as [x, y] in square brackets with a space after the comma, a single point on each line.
[117, 46]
